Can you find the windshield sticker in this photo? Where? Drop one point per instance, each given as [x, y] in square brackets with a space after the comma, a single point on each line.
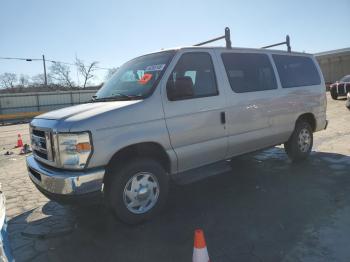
[145, 79]
[159, 67]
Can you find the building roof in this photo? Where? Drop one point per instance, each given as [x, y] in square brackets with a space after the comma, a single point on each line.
[334, 52]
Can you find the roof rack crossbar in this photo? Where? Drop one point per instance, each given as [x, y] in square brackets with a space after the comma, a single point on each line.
[287, 42]
[227, 38]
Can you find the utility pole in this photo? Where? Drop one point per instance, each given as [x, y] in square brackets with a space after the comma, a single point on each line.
[44, 70]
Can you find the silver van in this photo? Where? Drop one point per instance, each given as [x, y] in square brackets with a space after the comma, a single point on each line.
[176, 113]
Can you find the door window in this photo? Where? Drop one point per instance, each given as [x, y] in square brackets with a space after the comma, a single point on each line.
[196, 67]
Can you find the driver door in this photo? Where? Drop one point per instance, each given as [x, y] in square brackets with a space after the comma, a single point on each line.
[196, 122]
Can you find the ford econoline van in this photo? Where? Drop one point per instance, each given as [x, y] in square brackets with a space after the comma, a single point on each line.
[176, 113]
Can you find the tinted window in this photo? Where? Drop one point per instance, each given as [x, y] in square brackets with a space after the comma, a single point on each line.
[249, 72]
[197, 67]
[296, 71]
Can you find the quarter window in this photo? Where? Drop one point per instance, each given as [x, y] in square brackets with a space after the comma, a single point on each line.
[198, 68]
[249, 72]
[295, 71]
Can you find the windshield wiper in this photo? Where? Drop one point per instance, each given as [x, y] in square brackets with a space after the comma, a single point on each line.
[116, 97]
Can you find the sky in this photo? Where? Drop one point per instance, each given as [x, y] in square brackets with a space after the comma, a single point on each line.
[113, 32]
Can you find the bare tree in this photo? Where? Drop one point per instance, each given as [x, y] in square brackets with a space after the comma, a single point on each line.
[86, 71]
[111, 72]
[8, 80]
[23, 80]
[61, 73]
[39, 80]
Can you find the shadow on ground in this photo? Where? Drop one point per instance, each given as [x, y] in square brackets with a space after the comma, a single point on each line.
[261, 211]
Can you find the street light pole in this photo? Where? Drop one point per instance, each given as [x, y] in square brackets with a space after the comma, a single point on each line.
[44, 70]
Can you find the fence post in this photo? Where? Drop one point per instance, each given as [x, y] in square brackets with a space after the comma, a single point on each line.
[37, 102]
[3, 121]
[71, 98]
[0, 106]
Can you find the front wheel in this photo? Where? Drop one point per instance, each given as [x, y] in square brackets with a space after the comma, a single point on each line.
[334, 94]
[299, 145]
[138, 190]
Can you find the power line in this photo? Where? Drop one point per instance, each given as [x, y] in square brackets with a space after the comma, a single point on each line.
[23, 59]
[52, 61]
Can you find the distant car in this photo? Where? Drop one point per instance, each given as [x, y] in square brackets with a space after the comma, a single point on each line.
[340, 88]
[348, 101]
[5, 250]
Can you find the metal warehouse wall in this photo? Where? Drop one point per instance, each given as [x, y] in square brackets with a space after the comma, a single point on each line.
[43, 101]
[334, 64]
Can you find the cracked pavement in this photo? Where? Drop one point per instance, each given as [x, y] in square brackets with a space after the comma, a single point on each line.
[265, 209]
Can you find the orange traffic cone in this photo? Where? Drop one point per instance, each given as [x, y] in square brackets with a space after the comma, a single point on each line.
[200, 252]
[19, 141]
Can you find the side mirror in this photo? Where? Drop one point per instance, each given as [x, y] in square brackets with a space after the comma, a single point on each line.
[181, 88]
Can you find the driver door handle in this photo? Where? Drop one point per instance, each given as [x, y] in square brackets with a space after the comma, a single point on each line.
[223, 118]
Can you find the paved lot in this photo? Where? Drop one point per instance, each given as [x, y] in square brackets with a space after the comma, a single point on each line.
[266, 209]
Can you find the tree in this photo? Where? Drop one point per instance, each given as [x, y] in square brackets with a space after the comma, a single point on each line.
[111, 72]
[86, 71]
[23, 80]
[39, 80]
[8, 80]
[61, 73]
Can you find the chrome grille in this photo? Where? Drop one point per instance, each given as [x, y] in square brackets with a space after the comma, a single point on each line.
[41, 144]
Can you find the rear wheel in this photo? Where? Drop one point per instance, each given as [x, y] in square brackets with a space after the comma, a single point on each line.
[334, 94]
[299, 145]
[138, 190]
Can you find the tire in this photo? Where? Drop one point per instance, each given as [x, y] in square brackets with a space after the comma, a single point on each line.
[348, 104]
[299, 145]
[128, 193]
[334, 94]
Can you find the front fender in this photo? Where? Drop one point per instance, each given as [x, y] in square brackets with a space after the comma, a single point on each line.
[108, 141]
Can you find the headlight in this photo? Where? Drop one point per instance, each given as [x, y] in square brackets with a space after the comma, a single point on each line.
[348, 95]
[74, 150]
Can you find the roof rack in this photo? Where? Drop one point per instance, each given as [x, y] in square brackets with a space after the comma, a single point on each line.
[227, 38]
[287, 42]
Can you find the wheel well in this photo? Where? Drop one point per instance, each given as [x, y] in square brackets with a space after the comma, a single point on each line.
[310, 118]
[147, 149]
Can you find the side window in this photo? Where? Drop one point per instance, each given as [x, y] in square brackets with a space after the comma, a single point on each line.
[295, 71]
[196, 69]
[249, 72]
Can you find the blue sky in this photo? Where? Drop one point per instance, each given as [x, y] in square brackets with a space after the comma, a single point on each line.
[112, 32]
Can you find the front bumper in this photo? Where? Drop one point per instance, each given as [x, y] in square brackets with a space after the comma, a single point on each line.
[5, 249]
[62, 184]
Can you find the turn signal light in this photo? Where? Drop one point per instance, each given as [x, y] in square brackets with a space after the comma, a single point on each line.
[83, 147]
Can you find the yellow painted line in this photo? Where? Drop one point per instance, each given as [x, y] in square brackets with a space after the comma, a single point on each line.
[19, 115]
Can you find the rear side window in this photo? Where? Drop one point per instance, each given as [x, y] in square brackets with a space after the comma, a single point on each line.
[249, 72]
[295, 71]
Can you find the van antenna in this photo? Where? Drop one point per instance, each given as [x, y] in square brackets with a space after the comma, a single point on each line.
[227, 38]
[287, 42]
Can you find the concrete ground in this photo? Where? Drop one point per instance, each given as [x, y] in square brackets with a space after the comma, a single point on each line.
[266, 209]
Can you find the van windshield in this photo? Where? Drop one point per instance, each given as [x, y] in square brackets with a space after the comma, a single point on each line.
[136, 79]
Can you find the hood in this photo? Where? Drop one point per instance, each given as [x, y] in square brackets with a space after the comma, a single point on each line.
[84, 111]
